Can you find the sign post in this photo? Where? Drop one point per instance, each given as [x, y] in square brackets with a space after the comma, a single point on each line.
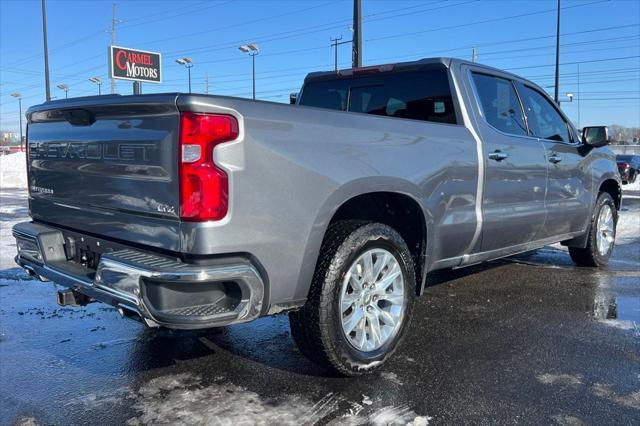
[135, 65]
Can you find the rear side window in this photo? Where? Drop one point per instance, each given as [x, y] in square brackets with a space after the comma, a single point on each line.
[417, 95]
[500, 104]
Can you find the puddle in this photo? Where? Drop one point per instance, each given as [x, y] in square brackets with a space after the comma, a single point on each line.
[618, 305]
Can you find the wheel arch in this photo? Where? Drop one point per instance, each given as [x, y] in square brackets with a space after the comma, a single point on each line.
[612, 187]
[343, 203]
[609, 185]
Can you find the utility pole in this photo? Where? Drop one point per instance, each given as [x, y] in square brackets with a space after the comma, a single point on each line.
[206, 82]
[114, 21]
[18, 96]
[474, 55]
[356, 57]
[20, 113]
[46, 52]
[557, 84]
[335, 42]
[578, 96]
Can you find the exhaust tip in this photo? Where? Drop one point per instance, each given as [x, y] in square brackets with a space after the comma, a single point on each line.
[29, 270]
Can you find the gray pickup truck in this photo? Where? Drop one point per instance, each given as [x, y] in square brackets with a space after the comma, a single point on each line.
[193, 211]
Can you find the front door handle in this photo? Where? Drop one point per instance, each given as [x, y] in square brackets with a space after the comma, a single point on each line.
[555, 158]
[498, 155]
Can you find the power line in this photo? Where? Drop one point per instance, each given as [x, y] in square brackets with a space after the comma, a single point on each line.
[465, 47]
[484, 21]
[291, 33]
[582, 32]
[576, 62]
[253, 21]
[564, 53]
[617, 27]
[93, 34]
[175, 15]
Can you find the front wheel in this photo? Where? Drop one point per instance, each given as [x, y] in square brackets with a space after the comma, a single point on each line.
[602, 234]
[360, 301]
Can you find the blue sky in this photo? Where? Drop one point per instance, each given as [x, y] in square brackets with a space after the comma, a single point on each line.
[601, 42]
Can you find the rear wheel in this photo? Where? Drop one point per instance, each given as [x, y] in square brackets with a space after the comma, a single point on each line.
[602, 234]
[360, 301]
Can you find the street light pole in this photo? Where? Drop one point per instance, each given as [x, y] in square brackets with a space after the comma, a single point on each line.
[98, 81]
[64, 87]
[253, 50]
[557, 84]
[253, 60]
[188, 64]
[19, 97]
[47, 88]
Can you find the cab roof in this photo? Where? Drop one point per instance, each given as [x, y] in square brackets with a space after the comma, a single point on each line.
[420, 64]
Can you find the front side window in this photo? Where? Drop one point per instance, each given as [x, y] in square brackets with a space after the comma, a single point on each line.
[418, 95]
[500, 104]
[544, 120]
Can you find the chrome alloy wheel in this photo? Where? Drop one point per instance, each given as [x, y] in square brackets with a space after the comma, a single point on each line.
[372, 300]
[605, 230]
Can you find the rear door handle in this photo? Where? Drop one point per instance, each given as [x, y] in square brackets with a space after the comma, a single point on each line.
[498, 155]
[555, 158]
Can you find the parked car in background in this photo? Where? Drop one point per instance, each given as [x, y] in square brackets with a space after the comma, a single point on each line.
[629, 167]
[194, 211]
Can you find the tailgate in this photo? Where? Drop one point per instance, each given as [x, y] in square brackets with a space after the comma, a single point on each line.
[107, 166]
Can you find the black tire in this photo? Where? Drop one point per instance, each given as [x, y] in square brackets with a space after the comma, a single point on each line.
[589, 255]
[317, 329]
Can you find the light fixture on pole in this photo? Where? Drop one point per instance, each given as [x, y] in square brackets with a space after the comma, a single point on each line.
[252, 49]
[188, 64]
[18, 96]
[64, 87]
[570, 96]
[98, 81]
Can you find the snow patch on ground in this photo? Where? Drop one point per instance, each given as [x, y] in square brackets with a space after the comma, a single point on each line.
[13, 209]
[392, 377]
[182, 399]
[566, 420]
[635, 186]
[559, 379]
[601, 390]
[631, 400]
[26, 421]
[385, 416]
[628, 227]
[13, 170]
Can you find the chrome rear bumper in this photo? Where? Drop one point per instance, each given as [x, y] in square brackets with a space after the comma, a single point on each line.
[162, 290]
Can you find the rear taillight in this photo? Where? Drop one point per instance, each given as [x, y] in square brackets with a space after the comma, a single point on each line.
[204, 187]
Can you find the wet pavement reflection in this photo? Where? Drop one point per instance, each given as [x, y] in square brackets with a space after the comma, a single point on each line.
[529, 339]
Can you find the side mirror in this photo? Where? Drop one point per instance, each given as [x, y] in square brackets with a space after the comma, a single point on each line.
[293, 98]
[595, 136]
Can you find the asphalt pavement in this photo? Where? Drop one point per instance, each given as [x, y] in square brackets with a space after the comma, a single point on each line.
[529, 339]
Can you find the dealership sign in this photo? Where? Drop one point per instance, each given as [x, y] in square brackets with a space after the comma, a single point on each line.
[136, 65]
